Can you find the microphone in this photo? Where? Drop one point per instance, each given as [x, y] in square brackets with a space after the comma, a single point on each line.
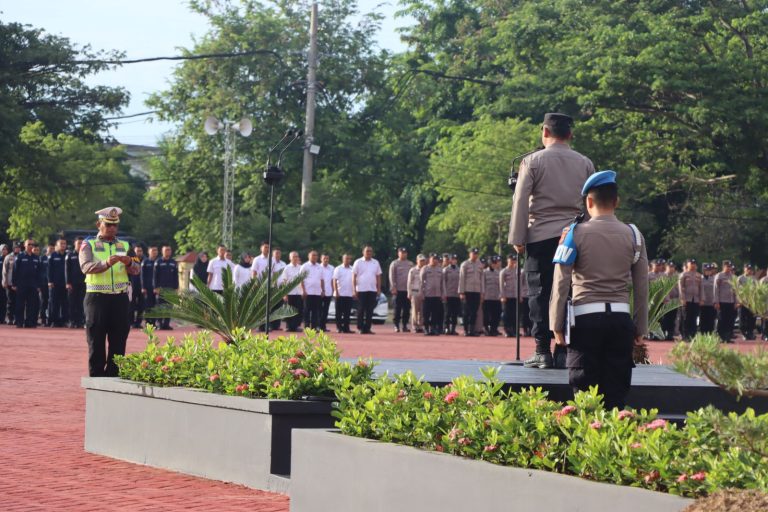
[512, 180]
[298, 134]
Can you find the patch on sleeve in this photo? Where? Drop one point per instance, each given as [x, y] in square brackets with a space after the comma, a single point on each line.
[566, 250]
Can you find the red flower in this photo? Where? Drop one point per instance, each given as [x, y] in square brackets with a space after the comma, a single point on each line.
[596, 425]
[635, 446]
[626, 414]
[700, 476]
[652, 476]
[276, 384]
[214, 377]
[241, 388]
[293, 360]
[565, 411]
[165, 368]
[401, 395]
[682, 478]
[145, 364]
[464, 441]
[362, 364]
[655, 424]
[177, 359]
[299, 354]
[320, 369]
[159, 359]
[491, 448]
[439, 448]
[428, 395]
[450, 397]
[454, 433]
[299, 373]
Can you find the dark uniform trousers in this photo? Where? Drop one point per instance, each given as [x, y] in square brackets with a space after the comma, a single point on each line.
[150, 301]
[325, 305]
[3, 304]
[11, 295]
[539, 274]
[293, 323]
[402, 309]
[367, 303]
[510, 315]
[343, 312]
[59, 305]
[452, 309]
[725, 320]
[690, 315]
[747, 323]
[491, 315]
[45, 304]
[471, 305]
[106, 318]
[76, 298]
[707, 317]
[433, 314]
[600, 354]
[313, 306]
[137, 306]
[27, 306]
[668, 324]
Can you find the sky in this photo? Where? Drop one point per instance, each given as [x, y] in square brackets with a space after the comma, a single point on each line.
[143, 28]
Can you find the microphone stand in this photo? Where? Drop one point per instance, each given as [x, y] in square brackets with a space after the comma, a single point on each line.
[273, 175]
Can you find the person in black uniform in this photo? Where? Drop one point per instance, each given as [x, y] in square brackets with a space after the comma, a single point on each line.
[166, 277]
[57, 285]
[148, 281]
[137, 298]
[3, 297]
[45, 295]
[75, 286]
[26, 283]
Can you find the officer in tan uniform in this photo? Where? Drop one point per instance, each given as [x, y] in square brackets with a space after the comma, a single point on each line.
[492, 298]
[657, 269]
[689, 288]
[600, 259]
[398, 284]
[707, 314]
[415, 294]
[471, 288]
[746, 317]
[725, 302]
[452, 300]
[546, 200]
[433, 291]
[669, 320]
[510, 296]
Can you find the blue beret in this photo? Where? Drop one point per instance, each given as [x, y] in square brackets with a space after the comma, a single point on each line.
[597, 179]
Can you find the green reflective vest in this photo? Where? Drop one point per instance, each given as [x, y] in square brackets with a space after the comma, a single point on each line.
[115, 279]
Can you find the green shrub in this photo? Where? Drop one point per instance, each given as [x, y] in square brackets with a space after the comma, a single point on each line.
[635, 448]
[285, 367]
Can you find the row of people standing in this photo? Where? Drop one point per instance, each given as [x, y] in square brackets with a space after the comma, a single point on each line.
[432, 291]
[43, 289]
[708, 302]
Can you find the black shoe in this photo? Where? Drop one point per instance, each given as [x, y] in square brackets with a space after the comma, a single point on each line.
[397, 328]
[560, 358]
[542, 361]
[419, 331]
[405, 329]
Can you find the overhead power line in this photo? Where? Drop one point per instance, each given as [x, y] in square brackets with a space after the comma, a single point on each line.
[223, 55]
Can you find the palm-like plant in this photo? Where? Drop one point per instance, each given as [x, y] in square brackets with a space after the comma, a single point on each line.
[234, 311]
[658, 290]
[752, 295]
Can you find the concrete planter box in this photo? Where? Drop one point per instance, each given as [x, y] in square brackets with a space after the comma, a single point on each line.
[235, 439]
[347, 474]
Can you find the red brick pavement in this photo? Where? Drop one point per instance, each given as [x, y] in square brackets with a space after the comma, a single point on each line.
[42, 411]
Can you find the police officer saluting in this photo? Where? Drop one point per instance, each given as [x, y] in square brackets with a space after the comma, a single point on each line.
[398, 285]
[105, 262]
[600, 259]
[546, 200]
[689, 284]
[471, 289]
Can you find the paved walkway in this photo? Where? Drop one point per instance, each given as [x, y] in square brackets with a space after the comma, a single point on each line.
[42, 411]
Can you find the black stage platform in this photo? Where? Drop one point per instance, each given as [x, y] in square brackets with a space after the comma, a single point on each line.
[653, 386]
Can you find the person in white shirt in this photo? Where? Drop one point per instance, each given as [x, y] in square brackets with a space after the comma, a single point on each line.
[313, 291]
[366, 280]
[277, 266]
[343, 291]
[325, 263]
[260, 262]
[243, 270]
[293, 298]
[216, 268]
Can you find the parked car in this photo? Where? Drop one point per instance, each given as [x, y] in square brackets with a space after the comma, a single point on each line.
[380, 312]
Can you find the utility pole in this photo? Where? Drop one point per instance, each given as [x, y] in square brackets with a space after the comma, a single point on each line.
[309, 129]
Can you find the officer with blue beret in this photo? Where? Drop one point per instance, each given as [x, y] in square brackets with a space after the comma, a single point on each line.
[599, 261]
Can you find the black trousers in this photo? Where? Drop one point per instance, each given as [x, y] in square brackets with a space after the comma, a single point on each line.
[402, 309]
[491, 315]
[600, 354]
[668, 324]
[510, 315]
[367, 303]
[11, 295]
[707, 317]
[313, 305]
[725, 320]
[433, 314]
[27, 306]
[747, 323]
[45, 296]
[59, 305]
[163, 323]
[343, 312]
[325, 305]
[76, 296]
[690, 316]
[106, 318]
[471, 304]
[150, 301]
[3, 305]
[292, 323]
[452, 310]
[539, 274]
[137, 307]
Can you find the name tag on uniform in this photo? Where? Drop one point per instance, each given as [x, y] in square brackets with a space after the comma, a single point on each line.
[98, 246]
[120, 247]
